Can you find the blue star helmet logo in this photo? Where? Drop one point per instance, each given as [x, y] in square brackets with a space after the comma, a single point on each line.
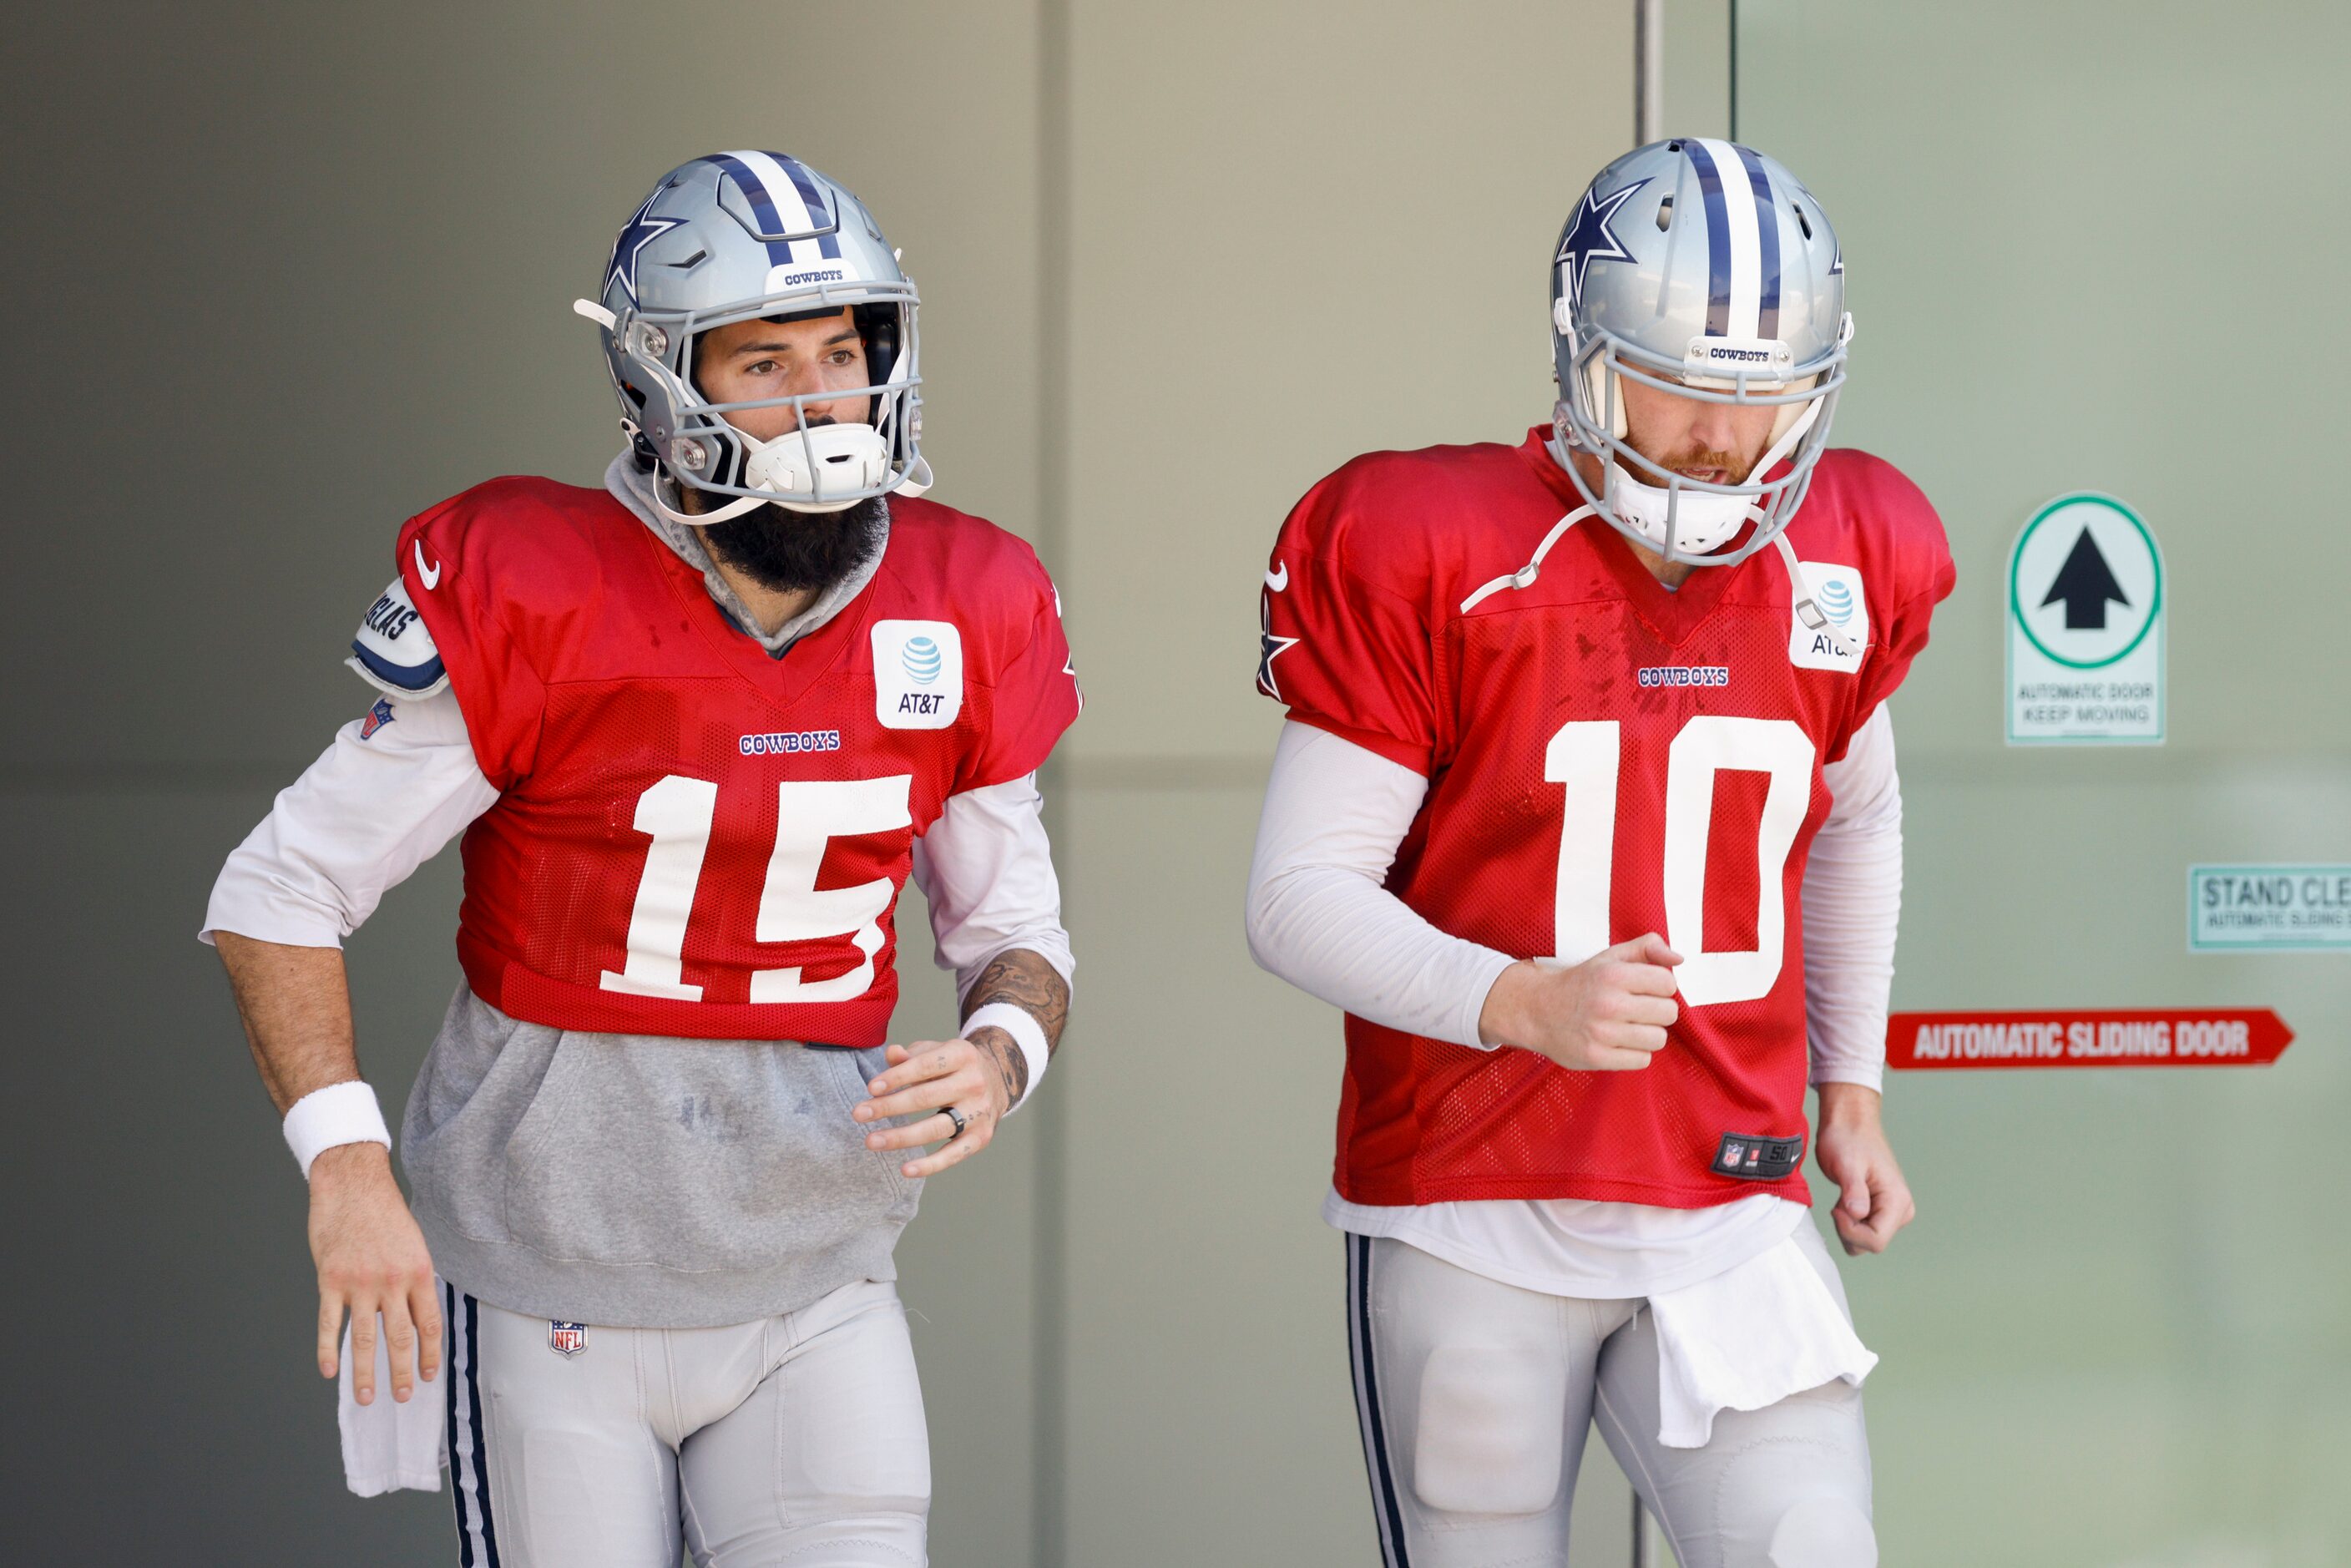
[1590, 239]
[640, 231]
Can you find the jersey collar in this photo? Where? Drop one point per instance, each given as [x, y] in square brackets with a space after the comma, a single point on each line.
[1672, 613]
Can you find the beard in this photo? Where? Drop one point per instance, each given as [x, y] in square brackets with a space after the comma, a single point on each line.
[788, 552]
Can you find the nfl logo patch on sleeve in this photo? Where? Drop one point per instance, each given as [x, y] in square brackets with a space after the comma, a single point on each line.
[918, 674]
[1837, 593]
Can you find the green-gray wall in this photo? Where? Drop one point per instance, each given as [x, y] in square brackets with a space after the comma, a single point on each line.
[2098, 246]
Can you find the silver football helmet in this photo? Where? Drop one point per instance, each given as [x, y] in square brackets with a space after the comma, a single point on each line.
[1702, 268]
[738, 237]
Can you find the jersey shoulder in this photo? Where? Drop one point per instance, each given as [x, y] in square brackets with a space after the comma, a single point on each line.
[985, 578]
[1864, 507]
[511, 531]
[516, 537]
[1402, 522]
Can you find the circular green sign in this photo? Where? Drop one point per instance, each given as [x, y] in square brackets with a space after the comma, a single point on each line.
[2016, 558]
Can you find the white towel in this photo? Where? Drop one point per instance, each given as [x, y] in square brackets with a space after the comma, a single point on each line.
[1746, 1338]
[388, 1445]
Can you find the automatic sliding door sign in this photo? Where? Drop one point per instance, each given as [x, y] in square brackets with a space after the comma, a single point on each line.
[2086, 627]
[2114, 1036]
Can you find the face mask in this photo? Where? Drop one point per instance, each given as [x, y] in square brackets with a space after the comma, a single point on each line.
[1702, 521]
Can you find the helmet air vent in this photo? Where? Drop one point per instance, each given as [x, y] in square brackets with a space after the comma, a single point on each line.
[1665, 215]
[697, 259]
[1804, 222]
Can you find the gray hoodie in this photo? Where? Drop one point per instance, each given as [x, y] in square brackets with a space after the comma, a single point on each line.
[638, 1181]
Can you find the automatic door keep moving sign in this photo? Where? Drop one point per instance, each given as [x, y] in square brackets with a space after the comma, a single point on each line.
[2085, 608]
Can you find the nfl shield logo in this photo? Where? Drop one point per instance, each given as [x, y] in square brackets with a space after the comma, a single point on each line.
[566, 1339]
[1730, 1155]
[376, 717]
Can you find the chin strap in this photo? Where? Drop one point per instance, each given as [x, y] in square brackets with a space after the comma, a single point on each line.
[1526, 574]
[735, 508]
[1807, 611]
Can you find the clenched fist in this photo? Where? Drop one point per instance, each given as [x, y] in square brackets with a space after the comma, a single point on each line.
[1607, 1014]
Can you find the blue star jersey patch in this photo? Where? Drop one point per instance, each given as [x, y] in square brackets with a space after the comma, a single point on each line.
[1270, 647]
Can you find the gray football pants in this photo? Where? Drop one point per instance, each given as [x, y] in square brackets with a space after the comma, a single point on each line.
[796, 1439]
[1476, 1397]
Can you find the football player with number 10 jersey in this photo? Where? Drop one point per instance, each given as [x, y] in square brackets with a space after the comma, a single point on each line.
[1586, 814]
[697, 727]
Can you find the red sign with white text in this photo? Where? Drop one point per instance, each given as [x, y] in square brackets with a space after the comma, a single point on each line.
[2114, 1036]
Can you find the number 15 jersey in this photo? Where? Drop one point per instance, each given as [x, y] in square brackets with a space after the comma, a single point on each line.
[692, 838]
[1605, 757]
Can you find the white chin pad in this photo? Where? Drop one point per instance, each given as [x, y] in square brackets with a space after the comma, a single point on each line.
[825, 468]
[1702, 522]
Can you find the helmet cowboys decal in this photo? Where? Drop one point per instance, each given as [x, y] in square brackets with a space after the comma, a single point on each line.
[738, 237]
[1702, 268]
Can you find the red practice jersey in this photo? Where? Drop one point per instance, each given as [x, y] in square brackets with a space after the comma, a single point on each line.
[1605, 757]
[692, 838]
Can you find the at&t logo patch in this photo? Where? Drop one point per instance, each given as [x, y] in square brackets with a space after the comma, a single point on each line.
[918, 674]
[1837, 595]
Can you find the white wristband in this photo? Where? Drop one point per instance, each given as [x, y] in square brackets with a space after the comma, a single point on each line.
[1026, 1032]
[339, 1114]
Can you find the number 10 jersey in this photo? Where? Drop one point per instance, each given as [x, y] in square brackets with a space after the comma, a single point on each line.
[1605, 757]
[692, 838]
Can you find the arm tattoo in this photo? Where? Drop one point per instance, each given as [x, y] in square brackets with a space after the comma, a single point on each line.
[1027, 982]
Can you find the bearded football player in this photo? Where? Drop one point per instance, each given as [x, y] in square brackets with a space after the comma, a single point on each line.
[696, 728]
[1586, 814]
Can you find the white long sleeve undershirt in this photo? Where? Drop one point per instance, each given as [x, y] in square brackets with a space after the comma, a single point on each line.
[370, 810]
[1319, 917]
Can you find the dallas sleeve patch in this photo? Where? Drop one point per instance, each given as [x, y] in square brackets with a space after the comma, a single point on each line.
[393, 653]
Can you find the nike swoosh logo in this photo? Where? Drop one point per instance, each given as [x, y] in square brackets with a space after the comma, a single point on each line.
[1278, 580]
[429, 575]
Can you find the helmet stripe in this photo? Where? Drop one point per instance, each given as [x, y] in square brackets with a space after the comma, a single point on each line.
[763, 205]
[784, 201]
[1718, 239]
[1766, 233]
[810, 197]
[1740, 239]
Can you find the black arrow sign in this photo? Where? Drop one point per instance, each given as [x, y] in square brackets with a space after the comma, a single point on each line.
[2085, 582]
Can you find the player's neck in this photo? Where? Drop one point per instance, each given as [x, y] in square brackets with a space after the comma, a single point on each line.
[771, 608]
[1673, 574]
